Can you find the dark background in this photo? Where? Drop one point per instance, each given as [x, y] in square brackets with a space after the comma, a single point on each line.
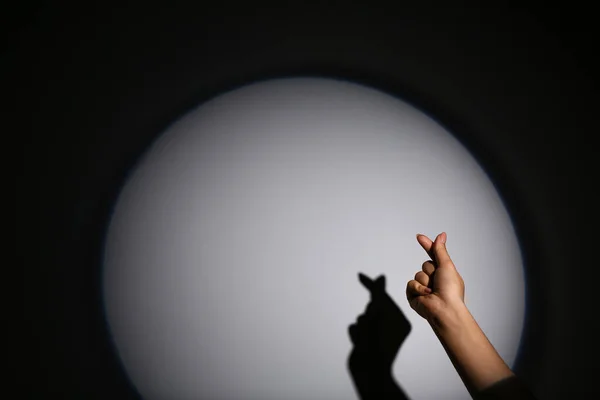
[87, 89]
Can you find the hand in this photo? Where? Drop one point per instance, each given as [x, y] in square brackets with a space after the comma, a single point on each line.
[437, 294]
[377, 336]
[379, 331]
[439, 286]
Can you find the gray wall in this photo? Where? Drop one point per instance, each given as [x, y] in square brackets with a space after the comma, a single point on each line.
[232, 255]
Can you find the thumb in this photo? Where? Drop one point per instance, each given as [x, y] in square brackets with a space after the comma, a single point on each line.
[439, 250]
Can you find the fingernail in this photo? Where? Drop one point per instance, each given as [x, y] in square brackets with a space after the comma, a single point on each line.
[443, 237]
[428, 290]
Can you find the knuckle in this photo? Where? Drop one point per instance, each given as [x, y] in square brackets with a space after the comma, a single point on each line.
[428, 267]
[422, 278]
[412, 285]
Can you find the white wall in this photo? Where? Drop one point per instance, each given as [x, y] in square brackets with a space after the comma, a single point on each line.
[232, 256]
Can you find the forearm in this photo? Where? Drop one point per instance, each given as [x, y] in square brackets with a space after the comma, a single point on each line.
[471, 353]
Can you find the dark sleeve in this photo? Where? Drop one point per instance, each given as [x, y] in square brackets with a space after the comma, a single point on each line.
[511, 388]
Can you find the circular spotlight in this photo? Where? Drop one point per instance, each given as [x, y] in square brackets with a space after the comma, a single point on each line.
[232, 254]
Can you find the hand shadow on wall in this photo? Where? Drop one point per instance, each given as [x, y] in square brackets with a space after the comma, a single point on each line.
[376, 337]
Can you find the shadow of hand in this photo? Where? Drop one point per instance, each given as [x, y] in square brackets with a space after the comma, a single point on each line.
[376, 337]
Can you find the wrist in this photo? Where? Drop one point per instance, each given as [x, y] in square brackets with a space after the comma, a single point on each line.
[451, 315]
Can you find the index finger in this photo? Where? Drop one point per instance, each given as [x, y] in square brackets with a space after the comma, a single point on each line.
[426, 244]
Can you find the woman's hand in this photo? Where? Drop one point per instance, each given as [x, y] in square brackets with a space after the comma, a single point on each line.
[438, 287]
[437, 294]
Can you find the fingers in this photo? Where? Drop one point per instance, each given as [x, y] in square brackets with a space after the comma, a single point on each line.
[377, 285]
[436, 249]
[422, 278]
[414, 288]
[428, 267]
